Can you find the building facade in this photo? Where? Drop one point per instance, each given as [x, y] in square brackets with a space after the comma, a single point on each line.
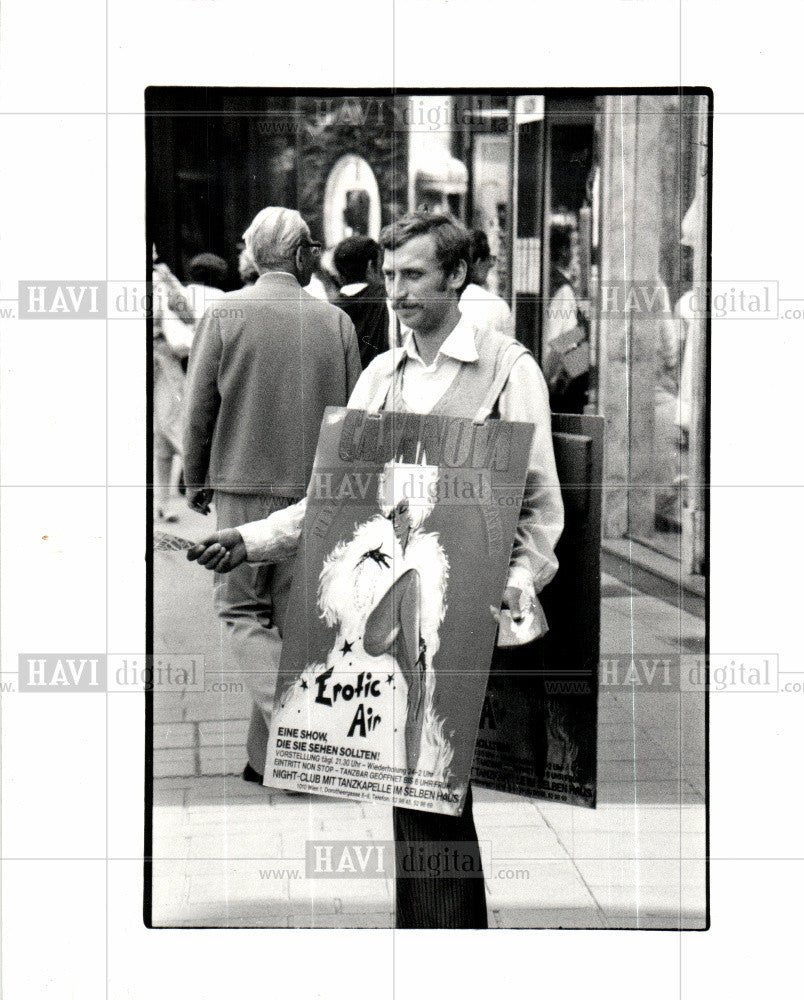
[595, 206]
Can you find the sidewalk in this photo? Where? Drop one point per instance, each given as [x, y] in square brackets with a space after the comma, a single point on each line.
[231, 854]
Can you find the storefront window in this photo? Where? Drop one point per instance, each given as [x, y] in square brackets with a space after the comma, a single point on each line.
[650, 379]
[483, 142]
[566, 316]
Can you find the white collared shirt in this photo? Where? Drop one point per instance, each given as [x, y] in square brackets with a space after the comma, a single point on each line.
[354, 288]
[423, 385]
[486, 310]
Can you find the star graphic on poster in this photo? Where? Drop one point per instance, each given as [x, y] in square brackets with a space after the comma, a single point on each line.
[304, 685]
[346, 647]
[389, 679]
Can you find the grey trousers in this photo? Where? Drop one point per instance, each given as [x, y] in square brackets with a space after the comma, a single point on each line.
[251, 602]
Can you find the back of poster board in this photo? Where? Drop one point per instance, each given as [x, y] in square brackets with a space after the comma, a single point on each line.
[538, 729]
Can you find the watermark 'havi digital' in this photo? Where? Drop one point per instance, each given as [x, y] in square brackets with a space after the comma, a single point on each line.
[48, 672]
[62, 299]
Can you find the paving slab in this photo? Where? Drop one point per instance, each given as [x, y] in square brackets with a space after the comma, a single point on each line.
[549, 919]
[169, 763]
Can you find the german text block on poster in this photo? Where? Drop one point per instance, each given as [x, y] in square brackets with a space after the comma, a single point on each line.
[391, 625]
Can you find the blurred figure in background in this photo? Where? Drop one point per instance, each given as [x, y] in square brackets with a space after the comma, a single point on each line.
[186, 303]
[483, 308]
[316, 287]
[246, 268]
[177, 310]
[566, 336]
[667, 438]
[171, 312]
[685, 313]
[362, 295]
[207, 273]
[673, 399]
[327, 274]
[323, 284]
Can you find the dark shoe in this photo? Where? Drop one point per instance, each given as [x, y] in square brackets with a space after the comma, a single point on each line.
[249, 774]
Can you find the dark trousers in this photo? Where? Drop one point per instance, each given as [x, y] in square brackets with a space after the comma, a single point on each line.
[437, 902]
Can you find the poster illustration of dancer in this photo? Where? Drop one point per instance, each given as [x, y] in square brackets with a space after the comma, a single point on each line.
[391, 625]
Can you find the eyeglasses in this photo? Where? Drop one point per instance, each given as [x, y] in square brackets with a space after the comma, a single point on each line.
[313, 246]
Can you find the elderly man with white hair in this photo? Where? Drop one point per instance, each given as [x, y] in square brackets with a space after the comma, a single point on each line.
[266, 361]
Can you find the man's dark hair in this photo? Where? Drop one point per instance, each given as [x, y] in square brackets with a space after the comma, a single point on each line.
[561, 245]
[352, 257]
[208, 269]
[452, 240]
[480, 246]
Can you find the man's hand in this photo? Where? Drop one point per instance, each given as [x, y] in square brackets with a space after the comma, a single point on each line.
[200, 500]
[514, 601]
[220, 552]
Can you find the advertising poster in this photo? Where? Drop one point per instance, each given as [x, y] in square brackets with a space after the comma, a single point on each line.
[391, 625]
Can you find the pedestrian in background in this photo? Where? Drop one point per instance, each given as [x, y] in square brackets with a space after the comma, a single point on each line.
[177, 310]
[268, 359]
[481, 307]
[566, 352]
[362, 295]
[246, 268]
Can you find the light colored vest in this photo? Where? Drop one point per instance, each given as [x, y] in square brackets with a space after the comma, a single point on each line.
[475, 390]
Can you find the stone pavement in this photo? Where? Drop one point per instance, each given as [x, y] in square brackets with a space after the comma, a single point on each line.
[230, 854]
